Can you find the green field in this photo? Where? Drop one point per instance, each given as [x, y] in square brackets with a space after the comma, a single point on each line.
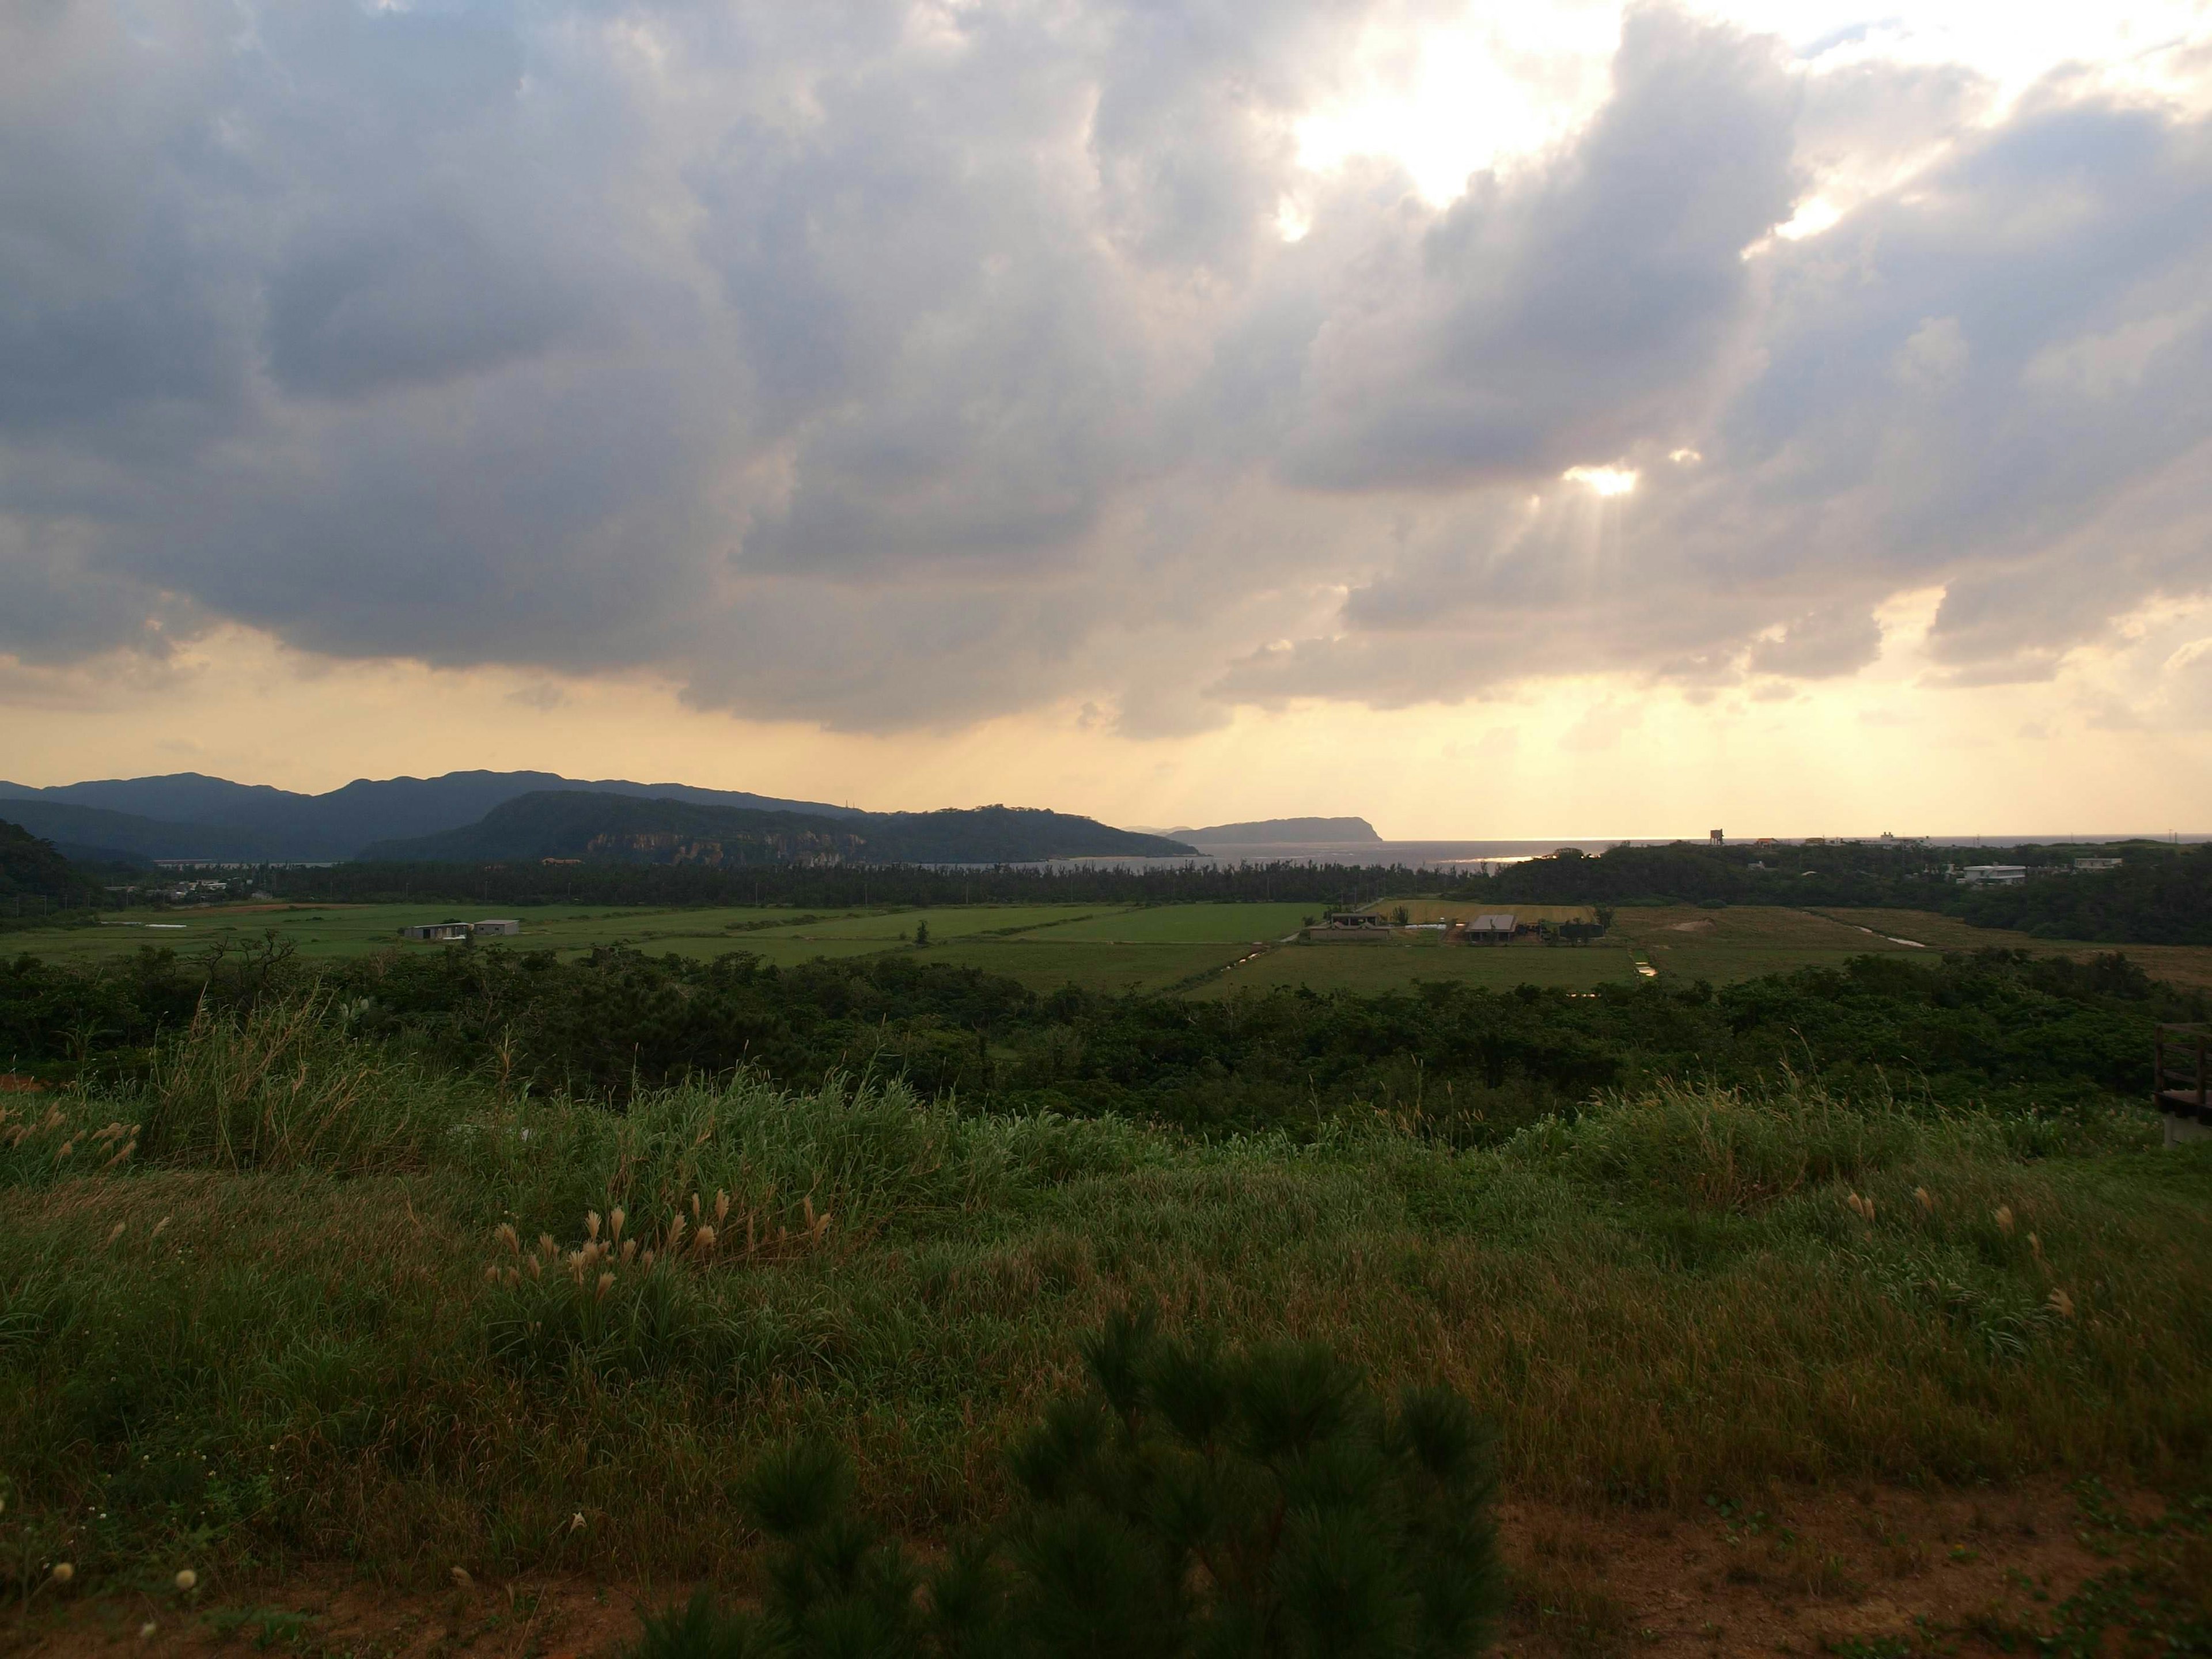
[1044, 965]
[1369, 970]
[1150, 948]
[352, 930]
[1742, 941]
[956, 922]
[1190, 924]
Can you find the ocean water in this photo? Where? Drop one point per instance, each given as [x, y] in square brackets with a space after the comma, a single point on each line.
[1412, 854]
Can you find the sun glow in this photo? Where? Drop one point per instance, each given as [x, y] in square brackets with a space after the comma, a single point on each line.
[1602, 480]
[1447, 92]
[1447, 99]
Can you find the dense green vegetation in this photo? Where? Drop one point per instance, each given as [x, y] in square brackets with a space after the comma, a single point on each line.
[836, 887]
[36, 882]
[497, 1258]
[2044, 1037]
[277, 1299]
[2157, 896]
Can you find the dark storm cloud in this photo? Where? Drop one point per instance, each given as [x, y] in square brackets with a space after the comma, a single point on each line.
[114, 307]
[900, 363]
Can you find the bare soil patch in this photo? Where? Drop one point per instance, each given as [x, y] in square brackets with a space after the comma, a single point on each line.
[1858, 1571]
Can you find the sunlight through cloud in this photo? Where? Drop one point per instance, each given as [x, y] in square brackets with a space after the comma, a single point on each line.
[1603, 480]
[1447, 101]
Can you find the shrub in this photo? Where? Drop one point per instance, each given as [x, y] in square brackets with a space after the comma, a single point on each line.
[1186, 1501]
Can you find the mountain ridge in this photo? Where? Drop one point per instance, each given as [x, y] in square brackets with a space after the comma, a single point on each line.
[595, 828]
[192, 815]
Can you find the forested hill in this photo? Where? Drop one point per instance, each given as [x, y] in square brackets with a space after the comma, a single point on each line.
[1286, 832]
[598, 828]
[31, 868]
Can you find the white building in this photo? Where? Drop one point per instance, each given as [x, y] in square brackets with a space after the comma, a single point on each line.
[1993, 875]
[449, 931]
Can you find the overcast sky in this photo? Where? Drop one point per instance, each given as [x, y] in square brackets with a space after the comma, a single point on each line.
[1565, 417]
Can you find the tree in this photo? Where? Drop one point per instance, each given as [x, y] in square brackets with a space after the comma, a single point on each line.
[922, 932]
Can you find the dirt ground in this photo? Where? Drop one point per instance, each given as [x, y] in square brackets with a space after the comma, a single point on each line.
[1868, 1573]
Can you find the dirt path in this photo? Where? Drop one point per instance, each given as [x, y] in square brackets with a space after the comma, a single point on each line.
[1863, 1572]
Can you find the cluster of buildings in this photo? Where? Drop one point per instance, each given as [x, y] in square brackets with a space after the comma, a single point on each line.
[1493, 927]
[462, 931]
[2012, 875]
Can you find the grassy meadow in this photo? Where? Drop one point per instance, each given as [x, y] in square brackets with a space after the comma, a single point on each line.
[298, 1298]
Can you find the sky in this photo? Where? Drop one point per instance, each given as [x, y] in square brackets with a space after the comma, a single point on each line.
[1789, 417]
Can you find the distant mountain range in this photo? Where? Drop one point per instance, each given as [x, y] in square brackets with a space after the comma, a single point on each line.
[605, 829]
[187, 815]
[478, 816]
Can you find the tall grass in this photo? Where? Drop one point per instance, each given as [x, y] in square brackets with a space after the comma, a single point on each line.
[1719, 1149]
[298, 1320]
[285, 1086]
[865, 1154]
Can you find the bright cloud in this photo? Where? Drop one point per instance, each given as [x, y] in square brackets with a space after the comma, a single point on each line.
[1603, 480]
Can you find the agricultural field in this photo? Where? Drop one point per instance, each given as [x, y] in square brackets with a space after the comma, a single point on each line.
[1189, 924]
[945, 923]
[1141, 948]
[1363, 970]
[1043, 963]
[327, 931]
[1742, 941]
